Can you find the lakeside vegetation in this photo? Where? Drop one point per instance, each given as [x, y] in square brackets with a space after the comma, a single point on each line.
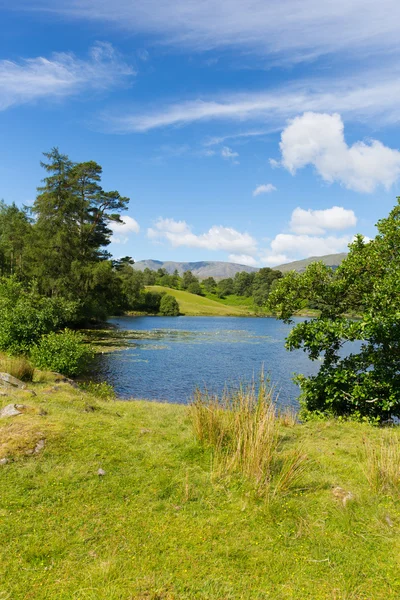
[167, 520]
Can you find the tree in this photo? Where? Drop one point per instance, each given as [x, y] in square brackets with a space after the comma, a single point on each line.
[225, 287]
[366, 381]
[149, 277]
[263, 282]
[187, 279]
[195, 288]
[209, 285]
[169, 306]
[15, 229]
[71, 232]
[243, 283]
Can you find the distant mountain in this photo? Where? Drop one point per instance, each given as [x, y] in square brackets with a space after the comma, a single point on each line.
[332, 260]
[221, 270]
[202, 270]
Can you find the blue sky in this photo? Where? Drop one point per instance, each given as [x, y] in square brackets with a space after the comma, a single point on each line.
[244, 130]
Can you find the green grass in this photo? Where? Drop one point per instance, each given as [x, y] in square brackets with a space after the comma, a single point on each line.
[193, 305]
[164, 523]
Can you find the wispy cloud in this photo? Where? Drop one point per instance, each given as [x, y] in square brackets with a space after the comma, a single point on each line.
[371, 94]
[289, 30]
[265, 188]
[229, 154]
[63, 74]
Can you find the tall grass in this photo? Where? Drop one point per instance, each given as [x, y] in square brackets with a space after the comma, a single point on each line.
[383, 463]
[18, 367]
[242, 428]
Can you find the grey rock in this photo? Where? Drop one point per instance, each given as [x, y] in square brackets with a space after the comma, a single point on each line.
[11, 410]
[101, 472]
[4, 461]
[8, 380]
[39, 446]
[62, 379]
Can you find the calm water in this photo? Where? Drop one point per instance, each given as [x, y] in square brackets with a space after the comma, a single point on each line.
[169, 357]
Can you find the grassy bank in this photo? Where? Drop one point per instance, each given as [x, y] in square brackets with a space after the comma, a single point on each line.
[199, 306]
[165, 523]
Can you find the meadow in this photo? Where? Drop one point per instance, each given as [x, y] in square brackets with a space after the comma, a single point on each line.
[170, 516]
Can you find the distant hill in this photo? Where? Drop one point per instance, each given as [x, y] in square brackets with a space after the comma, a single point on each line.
[332, 260]
[202, 270]
[221, 270]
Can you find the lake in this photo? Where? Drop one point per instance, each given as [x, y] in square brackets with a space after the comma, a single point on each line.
[166, 358]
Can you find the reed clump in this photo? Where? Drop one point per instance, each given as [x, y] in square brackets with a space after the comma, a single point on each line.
[242, 427]
[18, 367]
[382, 466]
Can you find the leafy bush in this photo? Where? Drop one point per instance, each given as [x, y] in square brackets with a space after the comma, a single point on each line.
[169, 306]
[25, 315]
[63, 352]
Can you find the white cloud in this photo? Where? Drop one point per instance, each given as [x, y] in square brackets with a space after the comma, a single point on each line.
[288, 30]
[229, 154]
[318, 139]
[178, 233]
[243, 259]
[307, 235]
[316, 222]
[122, 230]
[63, 74]
[286, 247]
[264, 189]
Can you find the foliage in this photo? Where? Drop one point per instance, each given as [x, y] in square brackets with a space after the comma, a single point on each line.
[362, 380]
[64, 353]
[195, 288]
[25, 315]
[169, 306]
[187, 279]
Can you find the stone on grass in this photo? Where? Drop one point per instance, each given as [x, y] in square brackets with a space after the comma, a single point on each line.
[101, 472]
[4, 461]
[11, 410]
[342, 495]
[8, 380]
[39, 446]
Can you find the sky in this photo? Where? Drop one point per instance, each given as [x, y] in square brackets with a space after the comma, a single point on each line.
[250, 131]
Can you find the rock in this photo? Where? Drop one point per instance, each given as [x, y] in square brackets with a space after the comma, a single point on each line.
[342, 495]
[144, 431]
[101, 472]
[39, 446]
[11, 410]
[62, 379]
[387, 519]
[4, 461]
[8, 380]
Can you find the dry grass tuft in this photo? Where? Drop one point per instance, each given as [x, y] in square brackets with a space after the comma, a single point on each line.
[18, 438]
[18, 367]
[383, 463]
[242, 427]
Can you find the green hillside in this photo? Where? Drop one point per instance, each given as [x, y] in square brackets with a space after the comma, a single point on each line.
[197, 306]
